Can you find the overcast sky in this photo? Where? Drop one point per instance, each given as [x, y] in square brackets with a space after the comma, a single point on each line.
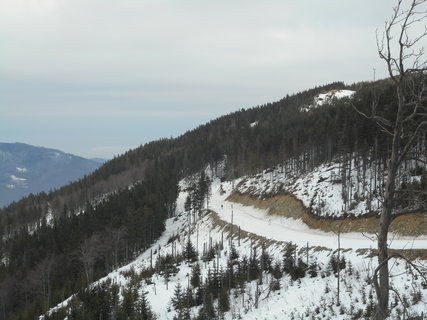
[98, 77]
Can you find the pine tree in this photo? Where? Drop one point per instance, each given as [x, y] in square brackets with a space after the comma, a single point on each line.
[178, 296]
[208, 309]
[234, 255]
[143, 309]
[288, 259]
[188, 204]
[333, 263]
[231, 277]
[188, 299]
[224, 300]
[277, 270]
[128, 307]
[313, 270]
[265, 260]
[198, 296]
[300, 269]
[254, 268]
[342, 263]
[190, 253]
[195, 276]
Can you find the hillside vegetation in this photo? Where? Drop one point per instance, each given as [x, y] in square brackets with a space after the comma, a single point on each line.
[84, 230]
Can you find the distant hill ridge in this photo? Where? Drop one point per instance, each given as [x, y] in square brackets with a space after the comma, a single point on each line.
[26, 169]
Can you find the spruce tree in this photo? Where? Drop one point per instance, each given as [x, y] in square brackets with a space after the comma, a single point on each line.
[300, 269]
[190, 253]
[177, 299]
[224, 300]
[143, 308]
[277, 270]
[234, 255]
[288, 259]
[333, 264]
[265, 260]
[254, 268]
[313, 270]
[208, 309]
[195, 276]
[128, 307]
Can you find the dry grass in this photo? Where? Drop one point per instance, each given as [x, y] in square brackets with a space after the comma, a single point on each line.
[410, 254]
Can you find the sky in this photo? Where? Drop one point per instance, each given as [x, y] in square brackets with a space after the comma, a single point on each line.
[98, 77]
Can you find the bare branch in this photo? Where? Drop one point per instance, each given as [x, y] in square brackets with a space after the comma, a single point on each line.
[411, 140]
[381, 121]
[395, 255]
[405, 312]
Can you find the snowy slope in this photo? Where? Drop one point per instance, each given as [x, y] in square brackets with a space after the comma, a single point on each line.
[328, 97]
[287, 229]
[336, 189]
[317, 189]
[308, 297]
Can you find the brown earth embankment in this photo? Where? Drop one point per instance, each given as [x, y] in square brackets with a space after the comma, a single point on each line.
[287, 205]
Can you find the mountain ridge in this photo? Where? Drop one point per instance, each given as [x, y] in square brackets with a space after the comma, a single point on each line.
[138, 192]
[29, 169]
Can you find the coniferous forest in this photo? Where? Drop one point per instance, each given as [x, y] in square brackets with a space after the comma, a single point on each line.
[55, 244]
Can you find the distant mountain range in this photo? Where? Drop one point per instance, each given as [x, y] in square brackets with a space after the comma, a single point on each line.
[26, 169]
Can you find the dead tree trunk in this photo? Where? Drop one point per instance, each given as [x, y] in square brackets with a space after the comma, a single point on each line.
[407, 69]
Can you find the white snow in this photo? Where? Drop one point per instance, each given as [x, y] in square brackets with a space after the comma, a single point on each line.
[328, 97]
[322, 188]
[253, 124]
[287, 229]
[305, 298]
[317, 189]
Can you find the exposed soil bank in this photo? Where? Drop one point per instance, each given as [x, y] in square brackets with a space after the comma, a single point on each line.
[290, 207]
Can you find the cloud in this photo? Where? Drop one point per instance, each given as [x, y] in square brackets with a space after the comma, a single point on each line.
[131, 42]
[140, 58]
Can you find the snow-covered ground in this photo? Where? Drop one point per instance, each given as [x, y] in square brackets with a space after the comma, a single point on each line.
[258, 221]
[324, 189]
[328, 97]
[306, 298]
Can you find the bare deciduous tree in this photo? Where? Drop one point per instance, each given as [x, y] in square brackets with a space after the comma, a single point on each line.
[41, 278]
[400, 46]
[89, 252]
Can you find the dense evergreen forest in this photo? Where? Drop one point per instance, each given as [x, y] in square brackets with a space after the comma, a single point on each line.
[107, 217]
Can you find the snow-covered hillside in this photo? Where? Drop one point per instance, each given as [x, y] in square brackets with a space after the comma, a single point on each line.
[348, 186]
[320, 189]
[328, 97]
[274, 293]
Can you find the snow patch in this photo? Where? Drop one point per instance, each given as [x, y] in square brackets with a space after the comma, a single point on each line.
[253, 124]
[327, 98]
